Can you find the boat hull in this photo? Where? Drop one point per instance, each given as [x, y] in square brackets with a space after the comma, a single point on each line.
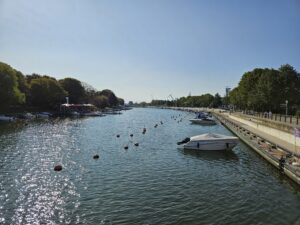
[203, 122]
[219, 145]
[6, 119]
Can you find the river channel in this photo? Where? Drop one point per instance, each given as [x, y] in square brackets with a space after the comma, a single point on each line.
[153, 183]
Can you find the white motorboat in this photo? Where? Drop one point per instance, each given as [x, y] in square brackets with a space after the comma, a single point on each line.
[4, 118]
[203, 118]
[209, 141]
[204, 121]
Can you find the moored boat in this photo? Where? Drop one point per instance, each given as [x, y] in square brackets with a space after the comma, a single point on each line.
[204, 121]
[4, 118]
[93, 113]
[43, 115]
[209, 141]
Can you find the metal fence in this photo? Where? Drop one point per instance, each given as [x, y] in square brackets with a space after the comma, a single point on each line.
[294, 120]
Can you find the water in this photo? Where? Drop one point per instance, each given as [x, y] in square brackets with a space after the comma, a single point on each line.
[154, 183]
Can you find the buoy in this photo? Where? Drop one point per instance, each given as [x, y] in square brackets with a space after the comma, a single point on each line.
[118, 135]
[131, 135]
[58, 168]
[96, 157]
[136, 144]
[126, 147]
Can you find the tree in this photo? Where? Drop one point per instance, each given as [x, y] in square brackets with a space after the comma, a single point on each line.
[22, 83]
[217, 101]
[266, 89]
[74, 88]
[46, 93]
[100, 101]
[9, 91]
[121, 101]
[235, 97]
[112, 99]
[290, 81]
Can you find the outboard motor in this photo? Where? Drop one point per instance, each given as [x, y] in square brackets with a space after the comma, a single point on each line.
[186, 140]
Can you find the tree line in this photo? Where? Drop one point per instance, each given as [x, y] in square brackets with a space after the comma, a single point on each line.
[205, 100]
[268, 90]
[42, 92]
[261, 89]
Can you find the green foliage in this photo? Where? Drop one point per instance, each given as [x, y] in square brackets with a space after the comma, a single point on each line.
[121, 101]
[46, 93]
[112, 99]
[100, 101]
[74, 88]
[265, 89]
[206, 100]
[217, 101]
[9, 91]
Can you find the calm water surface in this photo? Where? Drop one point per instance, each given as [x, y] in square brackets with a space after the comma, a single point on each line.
[155, 183]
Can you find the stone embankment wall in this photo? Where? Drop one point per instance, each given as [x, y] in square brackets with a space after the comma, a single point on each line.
[278, 130]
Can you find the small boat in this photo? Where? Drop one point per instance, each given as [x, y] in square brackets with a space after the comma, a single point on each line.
[4, 118]
[43, 115]
[94, 113]
[204, 121]
[74, 114]
[28, 116]
[209, 141]
[112, 112]
[203, 118]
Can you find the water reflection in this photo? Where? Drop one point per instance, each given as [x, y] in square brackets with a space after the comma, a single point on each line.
[210, 155]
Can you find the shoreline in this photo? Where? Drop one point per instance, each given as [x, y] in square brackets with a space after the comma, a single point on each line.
[277, 152]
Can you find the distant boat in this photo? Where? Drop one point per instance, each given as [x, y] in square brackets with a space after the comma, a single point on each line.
[203, 118]
[43, 115]
[4, 118]
[209, 142]
[28, 116]
[112, 112]
[94, 113]
[74, 114]
[204, 121]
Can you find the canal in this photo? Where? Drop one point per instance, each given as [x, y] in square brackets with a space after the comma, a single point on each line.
[154, 183]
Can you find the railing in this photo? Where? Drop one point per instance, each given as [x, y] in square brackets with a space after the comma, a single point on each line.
[294, 120]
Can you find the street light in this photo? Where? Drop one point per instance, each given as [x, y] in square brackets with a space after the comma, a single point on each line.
[286, 107]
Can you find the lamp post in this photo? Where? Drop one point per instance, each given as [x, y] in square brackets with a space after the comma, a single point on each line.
[286, 107]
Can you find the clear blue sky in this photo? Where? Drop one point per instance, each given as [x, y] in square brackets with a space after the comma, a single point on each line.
[140, 48]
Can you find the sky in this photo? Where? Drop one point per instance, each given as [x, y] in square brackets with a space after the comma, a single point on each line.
[145, 50]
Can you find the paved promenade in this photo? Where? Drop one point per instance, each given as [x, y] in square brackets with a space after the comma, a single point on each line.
[274, 140]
